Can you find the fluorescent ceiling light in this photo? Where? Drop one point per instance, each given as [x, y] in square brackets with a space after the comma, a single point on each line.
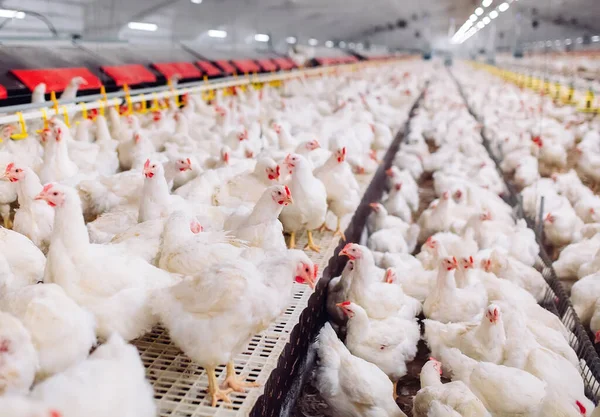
[290, 39]
[568, 41]
[313, 42]
[213, 33]
[548, 43]
[342, 44]
[596, 38]
[486, 20]
[493, 14]
[480, 25]
[479, 11]
[359, 46]
[149, 27]
[12, 14]
[351, 45]
[472, 18]
[329, 44]
[196, 1]
[486, 3]
[579, 40]
[261, 37]
[503, 7]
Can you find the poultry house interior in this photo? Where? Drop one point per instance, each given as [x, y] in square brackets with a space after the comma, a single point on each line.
[299, 208]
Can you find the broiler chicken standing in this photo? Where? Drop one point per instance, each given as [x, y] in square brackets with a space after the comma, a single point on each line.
[343, 191]
[310, 201]
[212, 315]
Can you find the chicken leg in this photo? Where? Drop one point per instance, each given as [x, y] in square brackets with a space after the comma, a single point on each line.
[395, 390]
[5, 213]
[339, 231]
[213, 389]
[311, 245]
[324, 227]
[292, 243]
[237, 384]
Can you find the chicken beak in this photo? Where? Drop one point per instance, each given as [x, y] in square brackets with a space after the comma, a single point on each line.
[597, 338]
[345, 251]
[374, 206]
[389, 172]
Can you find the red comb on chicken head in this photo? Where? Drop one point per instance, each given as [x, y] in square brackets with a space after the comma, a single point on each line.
[196, 227]
[183, 164]
[282, 195]
[390, 276]
[346, 308]
[14, 173]
[352, 251]
[52, 195]
[341, 154]
[437, 365]
[449, 263]
[149, 169]
[307, 274]
[492, 313]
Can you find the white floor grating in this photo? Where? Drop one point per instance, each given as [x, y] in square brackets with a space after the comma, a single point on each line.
[180, 385]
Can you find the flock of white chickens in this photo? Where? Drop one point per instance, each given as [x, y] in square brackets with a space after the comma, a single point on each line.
[175, 217]
[474, 278]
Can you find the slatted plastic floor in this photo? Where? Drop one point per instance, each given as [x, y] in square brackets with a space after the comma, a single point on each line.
[180, 385]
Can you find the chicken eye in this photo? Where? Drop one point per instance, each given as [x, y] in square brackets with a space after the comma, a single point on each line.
[306, 269]
[153, 166]
[279, 192]
[54, 193]
[18, 170]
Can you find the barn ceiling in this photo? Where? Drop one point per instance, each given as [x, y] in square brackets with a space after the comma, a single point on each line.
[395, 23]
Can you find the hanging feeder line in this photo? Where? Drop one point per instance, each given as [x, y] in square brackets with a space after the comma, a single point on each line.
[205, 87]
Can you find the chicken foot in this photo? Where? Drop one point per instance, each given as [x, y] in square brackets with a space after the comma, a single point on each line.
[324, 227]
[292, 242]
[311, 245]
[235, 383]
[338, 231]
[214, 391]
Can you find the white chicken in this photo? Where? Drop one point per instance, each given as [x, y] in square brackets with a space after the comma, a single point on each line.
[310, 202]
[109, 283]
[18, 358]
[51, 317]
[111, 382]
[337, 376]
[388, 343]
[454, 395]
[205, 313]
[33, 219]
[343, 191]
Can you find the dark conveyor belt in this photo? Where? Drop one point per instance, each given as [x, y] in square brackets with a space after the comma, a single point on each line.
[298, 358]
[556, 299]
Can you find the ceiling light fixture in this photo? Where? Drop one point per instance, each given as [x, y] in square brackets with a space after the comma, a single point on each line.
[579, 40]
[342, 44]
[313, 42]
[486, 3]
[196, 1]
[12, 14]
[486, 20]
[472, 18]
[214, 33]
[291, 39]
[568, 41]
[493, 14]
[480, 25]
[261, 37]
[148, 27]
[596, 38]
[479, 11]
[503, 7]
[329, 44]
